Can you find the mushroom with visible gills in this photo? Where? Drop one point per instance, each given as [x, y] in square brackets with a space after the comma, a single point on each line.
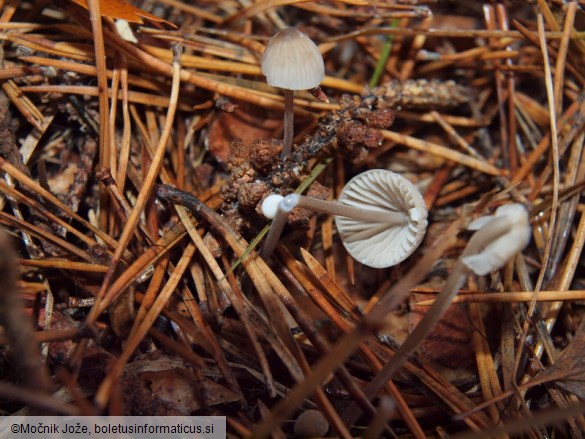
[380, 216]
[498, 248]
[292, 61]
[497, 240]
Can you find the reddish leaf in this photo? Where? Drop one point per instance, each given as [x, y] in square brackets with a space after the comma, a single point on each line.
[246, 124]
[121, 9]
[167, 386]
[449, 344]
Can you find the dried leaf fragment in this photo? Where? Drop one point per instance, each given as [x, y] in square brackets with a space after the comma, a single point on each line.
[121, 9]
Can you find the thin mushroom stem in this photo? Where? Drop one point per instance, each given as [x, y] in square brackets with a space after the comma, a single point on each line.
[340, 209]
[288, 203]
[288, 122]
[275, 231]
[497, 228]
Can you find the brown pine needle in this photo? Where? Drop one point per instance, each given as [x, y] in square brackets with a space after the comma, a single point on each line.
[63, 264]
[145, 193]
[478, 110]
[104, 391]
[510, 297]
[443, 152]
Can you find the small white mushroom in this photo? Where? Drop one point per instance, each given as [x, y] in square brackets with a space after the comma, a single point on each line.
[380, 216]
[292, 61]
[499, 249]
[498, 238]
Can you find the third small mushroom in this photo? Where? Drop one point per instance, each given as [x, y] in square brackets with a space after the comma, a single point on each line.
[292, 61]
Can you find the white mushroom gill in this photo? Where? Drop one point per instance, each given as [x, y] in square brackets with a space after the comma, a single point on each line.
[376, 243]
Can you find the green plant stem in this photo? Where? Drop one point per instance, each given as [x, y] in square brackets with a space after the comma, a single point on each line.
[381, 64]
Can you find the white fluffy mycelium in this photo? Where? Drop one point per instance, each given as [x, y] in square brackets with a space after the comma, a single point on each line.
[292, 61]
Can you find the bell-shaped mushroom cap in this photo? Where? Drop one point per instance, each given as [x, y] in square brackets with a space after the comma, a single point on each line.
[292, 61]
[499, 247]
[377, 244]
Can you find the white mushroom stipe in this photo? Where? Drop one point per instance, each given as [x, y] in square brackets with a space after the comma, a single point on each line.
[270, 205]
[279, 218]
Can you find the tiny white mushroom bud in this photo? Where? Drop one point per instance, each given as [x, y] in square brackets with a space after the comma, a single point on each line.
[270, 205]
